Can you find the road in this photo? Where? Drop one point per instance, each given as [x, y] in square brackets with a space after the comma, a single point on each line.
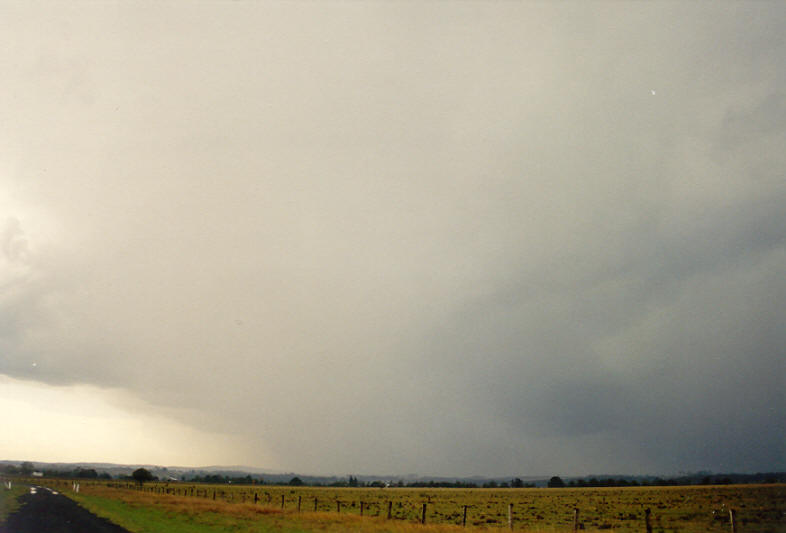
[45, 511]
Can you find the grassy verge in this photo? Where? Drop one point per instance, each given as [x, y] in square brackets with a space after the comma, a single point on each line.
[8, 500]
[146, 518]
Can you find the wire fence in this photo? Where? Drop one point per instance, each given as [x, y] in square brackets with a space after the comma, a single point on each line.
[742, 508]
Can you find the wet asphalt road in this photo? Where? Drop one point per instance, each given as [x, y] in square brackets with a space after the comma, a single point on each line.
[45, 511]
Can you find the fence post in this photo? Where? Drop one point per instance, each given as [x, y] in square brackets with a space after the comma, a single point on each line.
[731, 521]
[464, 520]
[361, 508]
[256, 498]
[423, 515]
[576, 519]
[282, 501]
[338, 506]
[298, 503]
[390, 509]
[315, 505]
[510, 516]
[647, 523]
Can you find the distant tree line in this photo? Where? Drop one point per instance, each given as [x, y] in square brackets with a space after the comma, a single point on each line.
[217, 479]
[554, 482]
[24, 469]
[27, 468]
[701, 478]
[696, 479]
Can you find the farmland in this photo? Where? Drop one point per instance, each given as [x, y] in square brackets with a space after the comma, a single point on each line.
[758, 508]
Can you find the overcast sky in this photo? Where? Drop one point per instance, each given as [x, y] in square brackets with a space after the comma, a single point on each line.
[394, 237]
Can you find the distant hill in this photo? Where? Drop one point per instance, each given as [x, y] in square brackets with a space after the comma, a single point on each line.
[242, 474]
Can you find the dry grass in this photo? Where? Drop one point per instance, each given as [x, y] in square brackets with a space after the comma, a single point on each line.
[275, 518]
[760, 508]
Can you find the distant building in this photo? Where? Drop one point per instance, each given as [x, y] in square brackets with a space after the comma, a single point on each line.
[38, 474]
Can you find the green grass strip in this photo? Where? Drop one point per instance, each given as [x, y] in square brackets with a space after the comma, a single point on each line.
[9, 500]
[147, 519]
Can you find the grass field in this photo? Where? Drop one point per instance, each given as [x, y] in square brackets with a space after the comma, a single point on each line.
[758, 508]
[8, 502]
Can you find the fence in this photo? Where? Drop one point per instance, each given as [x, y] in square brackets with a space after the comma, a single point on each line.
[597, 514]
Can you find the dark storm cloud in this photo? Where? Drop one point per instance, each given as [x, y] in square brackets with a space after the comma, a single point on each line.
[451, 239]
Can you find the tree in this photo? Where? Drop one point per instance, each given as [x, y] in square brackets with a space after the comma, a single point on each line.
[9, 469]
[517, 483]
[296, 481]
[556, 482]
[141, 475]
[87, 473]
[27, 468]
